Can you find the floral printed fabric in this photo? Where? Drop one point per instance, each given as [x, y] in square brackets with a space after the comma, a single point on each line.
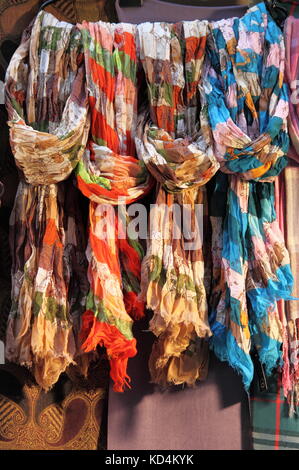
[174, 150]
[47, 106]
[247, 108]
[110, 176]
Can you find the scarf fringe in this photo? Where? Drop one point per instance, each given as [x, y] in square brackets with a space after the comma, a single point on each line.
[119, 349]
[227, 350]
[179, 368]
[169, 363]
[46, 347]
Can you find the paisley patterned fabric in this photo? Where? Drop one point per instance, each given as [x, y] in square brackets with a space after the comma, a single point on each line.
[110, 176]
[70, 416]
[172, 146]
[247, 106]
[48, 117]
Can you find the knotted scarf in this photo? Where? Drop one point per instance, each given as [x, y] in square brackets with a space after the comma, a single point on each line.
[176, 154]
[247, 107]
[48, 117]
[110, 176]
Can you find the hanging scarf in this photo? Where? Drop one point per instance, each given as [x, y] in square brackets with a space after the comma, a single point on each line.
[290, 378]
[47, 106]
[247, 109]
[109, 176]
[174, 151]
[292, 76]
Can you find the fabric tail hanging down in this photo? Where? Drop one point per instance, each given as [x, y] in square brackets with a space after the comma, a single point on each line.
[110, 176]
[247, 110]
[290, 379]
[47, 105]
[172, 146]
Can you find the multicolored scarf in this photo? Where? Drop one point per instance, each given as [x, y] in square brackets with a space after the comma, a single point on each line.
[110, 176]
[291, 35]
[290, 378]
[47, 106]
[176, 154]
[247, 109]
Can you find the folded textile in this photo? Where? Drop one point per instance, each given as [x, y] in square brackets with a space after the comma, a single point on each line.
[272, 429]
[111, 177]
[172, 147]
[247, 105]
[47, 105]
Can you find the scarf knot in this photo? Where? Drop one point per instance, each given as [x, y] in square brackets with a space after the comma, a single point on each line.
[178, 164]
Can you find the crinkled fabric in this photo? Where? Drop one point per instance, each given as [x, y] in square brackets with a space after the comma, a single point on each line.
[47, 105]
[173, 148]
[112, 177]
[247, 105]
[290, 375]
[291, 35]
